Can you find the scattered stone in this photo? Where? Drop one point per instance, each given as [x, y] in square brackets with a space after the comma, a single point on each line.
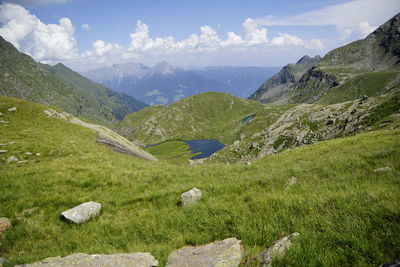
[196, 162]
[28, 153]
[392, 264]
[82, 213]
[72, 141]
[12, 109]
[248, 163]
[292, 181]
[38, 154]
[227, 253]
[364, 97]
[12, 143]
[138, 259]
[3, 121]
[278, 249]
[242, 136]
[22, 161]
[190, 197]
[3, 151]
[2, 261]
[3, 144]
[1, 114]
[254, 145]
[353, 111]
[12, 159]
[4, 224]
[383, 169]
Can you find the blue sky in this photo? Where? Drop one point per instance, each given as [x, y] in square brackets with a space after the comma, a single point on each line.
[86, 34]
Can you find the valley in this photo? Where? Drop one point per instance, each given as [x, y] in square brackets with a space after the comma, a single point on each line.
[217, 173]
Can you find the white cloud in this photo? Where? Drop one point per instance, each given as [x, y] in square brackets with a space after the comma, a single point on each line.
[35, 3]
[52, 43]
[285, 39]
[85, 26]
[31, 36]
[364, 28]
[353, 17]
[253, 33]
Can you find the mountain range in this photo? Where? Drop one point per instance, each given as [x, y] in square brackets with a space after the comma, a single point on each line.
[21, 76]
[165, 84]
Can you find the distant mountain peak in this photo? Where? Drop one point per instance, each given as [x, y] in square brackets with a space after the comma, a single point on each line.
[163, 68]
[308, 60]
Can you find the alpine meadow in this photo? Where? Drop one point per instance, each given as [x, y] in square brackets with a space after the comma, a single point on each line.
[171, 166]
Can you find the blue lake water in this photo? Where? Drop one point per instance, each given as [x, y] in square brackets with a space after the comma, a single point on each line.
[248, 119]
[206, 147]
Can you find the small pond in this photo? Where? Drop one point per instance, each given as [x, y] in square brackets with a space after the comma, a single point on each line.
[206, 147]
[248, 119]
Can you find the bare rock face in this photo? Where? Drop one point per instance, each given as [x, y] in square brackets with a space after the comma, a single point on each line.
[278, 249]
[225, 253]
[82, 213]
[85, 260]
[4, 224]
[190, 197]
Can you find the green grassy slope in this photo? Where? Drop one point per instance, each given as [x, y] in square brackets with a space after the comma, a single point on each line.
[21, 76]
[347, 214]
[208, 115]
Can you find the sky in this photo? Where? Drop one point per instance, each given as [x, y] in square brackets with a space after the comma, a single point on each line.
[87, 34]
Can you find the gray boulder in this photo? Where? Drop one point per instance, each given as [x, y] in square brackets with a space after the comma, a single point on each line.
[12, 109]
[85, 260]
[278, 249]
[383, 169]
[225, 253]
[3, 151]
[190, 197]
[2, 261]
[12, 159]
[82, 213]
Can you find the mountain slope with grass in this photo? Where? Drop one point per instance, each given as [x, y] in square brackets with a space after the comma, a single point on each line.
[208, 115]
[365, 67]
[347, 214]
[21, 76]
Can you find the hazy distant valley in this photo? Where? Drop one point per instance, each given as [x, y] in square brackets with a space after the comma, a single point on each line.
[164, 84]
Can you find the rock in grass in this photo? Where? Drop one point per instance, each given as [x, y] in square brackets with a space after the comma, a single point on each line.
[227, 253]
[138, 259]
[278, 249]
[2, 261]
[396, 263]
[12, 109]
[82, 213]
[383, 169]
[5, 223]
[1, 114]
[3, 151]
[12, 159]
[190, 197]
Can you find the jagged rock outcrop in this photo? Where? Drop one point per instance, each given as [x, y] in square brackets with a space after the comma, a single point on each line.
[106, 136]
[225, 253]
[138, 259]
[282, 83]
